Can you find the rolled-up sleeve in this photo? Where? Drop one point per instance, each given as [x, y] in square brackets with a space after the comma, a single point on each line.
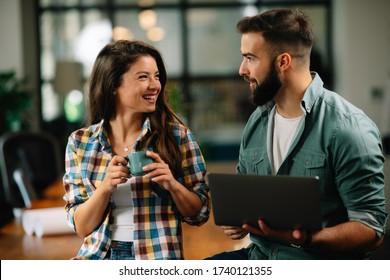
[76, 191]
[359, 171]
[194, 172]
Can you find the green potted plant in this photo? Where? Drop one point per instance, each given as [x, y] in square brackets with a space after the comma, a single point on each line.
[176, 101]
[14, 101]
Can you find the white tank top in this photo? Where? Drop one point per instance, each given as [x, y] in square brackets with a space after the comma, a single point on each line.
[284, 134]
[123, 222]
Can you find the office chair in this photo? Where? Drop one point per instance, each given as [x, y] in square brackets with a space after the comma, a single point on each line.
[29, 162]
[386, 144]
[383, 252]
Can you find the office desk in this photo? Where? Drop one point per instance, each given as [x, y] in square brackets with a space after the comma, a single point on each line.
[16, 245]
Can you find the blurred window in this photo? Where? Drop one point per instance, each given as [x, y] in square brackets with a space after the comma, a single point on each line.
[199, 44]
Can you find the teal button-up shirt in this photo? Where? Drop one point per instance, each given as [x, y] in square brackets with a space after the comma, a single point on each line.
[339, 144]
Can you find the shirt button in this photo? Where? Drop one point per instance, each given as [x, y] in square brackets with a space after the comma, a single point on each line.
[253, 158]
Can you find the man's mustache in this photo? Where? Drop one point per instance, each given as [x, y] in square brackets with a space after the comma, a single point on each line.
[249, 79]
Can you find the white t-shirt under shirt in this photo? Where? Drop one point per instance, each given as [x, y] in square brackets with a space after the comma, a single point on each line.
[284, 134]
[123, 225]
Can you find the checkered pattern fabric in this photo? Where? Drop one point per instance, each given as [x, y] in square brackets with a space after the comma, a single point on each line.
[157, 222]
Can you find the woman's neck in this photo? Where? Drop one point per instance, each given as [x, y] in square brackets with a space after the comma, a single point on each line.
[123, 133]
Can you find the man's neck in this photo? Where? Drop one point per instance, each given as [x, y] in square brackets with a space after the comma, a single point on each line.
[288, 100]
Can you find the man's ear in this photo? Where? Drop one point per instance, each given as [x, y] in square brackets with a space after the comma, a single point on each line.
[283, 61]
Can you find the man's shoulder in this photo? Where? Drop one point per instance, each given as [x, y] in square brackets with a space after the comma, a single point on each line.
[336, 103]
[257, 114]
[342, 115]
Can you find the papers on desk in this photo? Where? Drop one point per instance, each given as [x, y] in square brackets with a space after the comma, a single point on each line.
[46, 221]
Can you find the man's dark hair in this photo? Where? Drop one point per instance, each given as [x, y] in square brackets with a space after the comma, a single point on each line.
[285, 30]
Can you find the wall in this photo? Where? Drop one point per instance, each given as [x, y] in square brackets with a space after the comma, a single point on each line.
[11, 57]
[361, 55]
[19, 49]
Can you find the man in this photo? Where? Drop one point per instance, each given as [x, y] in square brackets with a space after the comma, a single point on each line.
[302, 129]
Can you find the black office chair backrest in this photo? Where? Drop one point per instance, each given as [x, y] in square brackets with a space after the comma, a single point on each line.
[386, 144]
[34, 158]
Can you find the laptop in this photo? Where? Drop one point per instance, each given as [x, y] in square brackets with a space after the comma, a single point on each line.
[283, 202]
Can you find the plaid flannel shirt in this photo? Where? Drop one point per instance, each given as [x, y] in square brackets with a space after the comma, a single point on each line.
[157, 221]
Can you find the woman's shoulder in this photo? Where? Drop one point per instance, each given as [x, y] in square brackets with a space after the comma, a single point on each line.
[84, 134]
[182, 133]
[178, 128]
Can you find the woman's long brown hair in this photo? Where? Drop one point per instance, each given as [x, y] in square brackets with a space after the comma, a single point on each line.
[112, 62]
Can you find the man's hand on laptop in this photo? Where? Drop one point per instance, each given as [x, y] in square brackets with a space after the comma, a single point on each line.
[234, 233]
[297, 238]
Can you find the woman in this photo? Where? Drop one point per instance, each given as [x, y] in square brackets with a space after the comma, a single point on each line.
[123, 216]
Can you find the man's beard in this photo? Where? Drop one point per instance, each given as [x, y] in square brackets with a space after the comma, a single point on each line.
[267, 89]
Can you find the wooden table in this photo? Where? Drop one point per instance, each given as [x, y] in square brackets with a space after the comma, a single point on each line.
[198, 242]
[15, 244]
